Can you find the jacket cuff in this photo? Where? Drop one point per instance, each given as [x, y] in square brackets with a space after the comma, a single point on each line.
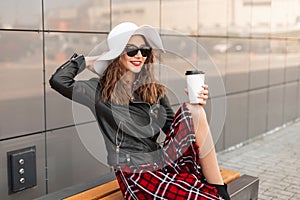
[79, 60]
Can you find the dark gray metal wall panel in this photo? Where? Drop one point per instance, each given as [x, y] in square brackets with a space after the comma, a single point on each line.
[20, 143]
[292, 72]
[276, 75]
[23, 115]
[219, 143]
[292, 61]
[258, 107]
[62, 112]
[290, 102]
[213, 63]
[21, 14]
[171, 74]
[216, 115]
[258, 78]
[208, 109]
[185, 54]
[237, 67]
[277, 63]
[298, 99]
[75, 15]
[21, 98]
[259, 63]
[275, 106]
[237, 81]
[69, 162]
[59, 110]
[236, 119]
[60, 47]
[221, 18]
[218, 70]
[135, 11]
[167, 15]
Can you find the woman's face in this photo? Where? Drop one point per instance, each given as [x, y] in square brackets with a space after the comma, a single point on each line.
[136, 62]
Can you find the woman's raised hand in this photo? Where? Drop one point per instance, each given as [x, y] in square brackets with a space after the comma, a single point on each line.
[89, 63]
[203, 95]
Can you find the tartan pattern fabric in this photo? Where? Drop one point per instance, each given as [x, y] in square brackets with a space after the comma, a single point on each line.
[180, 178]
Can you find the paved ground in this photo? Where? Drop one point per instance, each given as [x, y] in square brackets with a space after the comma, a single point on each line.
[274, 158]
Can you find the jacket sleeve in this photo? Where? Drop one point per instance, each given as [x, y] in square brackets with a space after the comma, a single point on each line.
[83, 92]
[169, 113]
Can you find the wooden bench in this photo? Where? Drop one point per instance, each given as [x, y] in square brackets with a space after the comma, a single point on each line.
[111, 190]
[243, 187]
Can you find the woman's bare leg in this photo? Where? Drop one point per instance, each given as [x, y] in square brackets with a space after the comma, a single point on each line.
[208, 159]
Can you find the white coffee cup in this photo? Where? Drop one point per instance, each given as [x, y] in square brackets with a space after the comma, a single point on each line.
[195, 80]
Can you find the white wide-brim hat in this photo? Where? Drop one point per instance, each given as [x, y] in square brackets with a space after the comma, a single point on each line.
[117, 40]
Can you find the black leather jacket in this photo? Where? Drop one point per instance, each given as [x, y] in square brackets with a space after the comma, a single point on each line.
[135, 128]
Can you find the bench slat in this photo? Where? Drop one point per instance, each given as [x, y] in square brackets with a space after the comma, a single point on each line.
[97, 192]
[229, 175]
[115, 196]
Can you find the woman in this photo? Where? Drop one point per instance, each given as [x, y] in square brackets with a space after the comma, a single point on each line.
[132, 109]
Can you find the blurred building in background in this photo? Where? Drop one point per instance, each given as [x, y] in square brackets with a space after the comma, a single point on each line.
[254, 44]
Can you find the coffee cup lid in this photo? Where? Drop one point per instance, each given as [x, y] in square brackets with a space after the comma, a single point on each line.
[191, 72]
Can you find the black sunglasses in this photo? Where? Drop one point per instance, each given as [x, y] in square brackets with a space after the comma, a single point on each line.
[132, 50]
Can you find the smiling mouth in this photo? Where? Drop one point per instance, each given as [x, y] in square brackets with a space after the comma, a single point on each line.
[136, 63]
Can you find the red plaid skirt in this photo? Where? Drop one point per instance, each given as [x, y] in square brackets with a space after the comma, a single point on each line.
[180, 178]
